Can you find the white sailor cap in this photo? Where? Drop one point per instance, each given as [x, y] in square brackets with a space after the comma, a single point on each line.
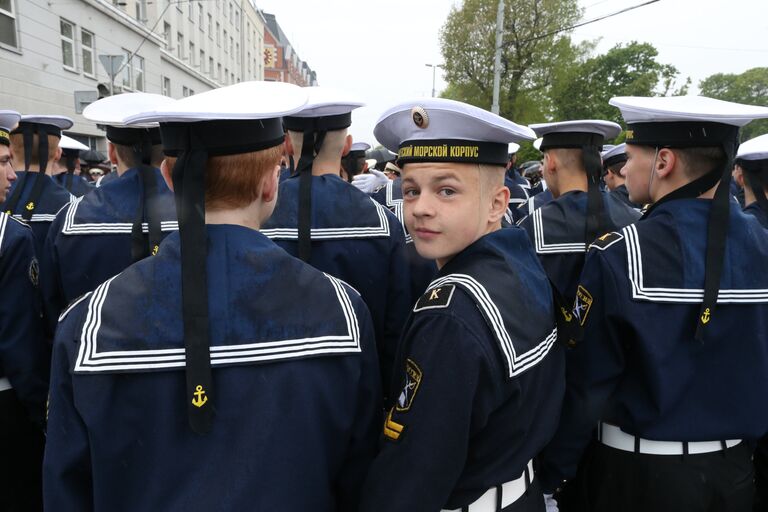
[360, 146]
[615, 155]
[327, 109]
[607, 148]
[371, 162]
[754, 149]
[72, 144]
[442, 130]
[513, 147]
[112, 112]
[52, 124]
[684, 121]
[575, 134]
[8, 121]
[537, 143]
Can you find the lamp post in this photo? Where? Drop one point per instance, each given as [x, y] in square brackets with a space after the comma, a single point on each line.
[497, 57]
[434, 68]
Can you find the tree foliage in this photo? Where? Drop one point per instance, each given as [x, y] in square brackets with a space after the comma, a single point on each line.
[531, 59]
[583, 90]
[749, 87]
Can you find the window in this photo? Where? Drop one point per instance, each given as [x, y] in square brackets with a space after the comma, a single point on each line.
[127, 70]
[210, 66]
[232, 78]
[231, 13]
[67, 44]
[191, 53]
[231, 43]
[7, 24]
[202, 61]
[237, 51]
[210, 26]
[167, 35]
[141, 10]
[138, 72]
[184, 91]
[226, 75]
[237, 20]
[218, 33]
[218, 71]
[200, 16]
[225, 40]
[180, 44]
[249, 64]
[166, 86]
[87, 52]
[225, 10]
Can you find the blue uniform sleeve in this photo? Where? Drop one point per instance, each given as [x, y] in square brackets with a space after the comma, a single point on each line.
[399, 300]
[593, 369]
[67, 479]
[24, 355]
[444, 376]
[50, 280]
[365, 430]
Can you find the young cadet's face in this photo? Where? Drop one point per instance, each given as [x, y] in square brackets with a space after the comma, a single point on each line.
[7, 174]
[637, 173]
[443, 208]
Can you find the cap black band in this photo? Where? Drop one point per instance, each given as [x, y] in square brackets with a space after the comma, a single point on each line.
[451, 150]
[324, 123]
[683, 134]
[218, 138]
[131, 136]
[5, 138]
[615, 159]
[571, 140]
[50, 129]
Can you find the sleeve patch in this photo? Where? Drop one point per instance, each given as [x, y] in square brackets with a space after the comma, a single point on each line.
[435, 298]
[392, 429]
[34, 272]
[582, 304]
[607, 240]
[413, 376]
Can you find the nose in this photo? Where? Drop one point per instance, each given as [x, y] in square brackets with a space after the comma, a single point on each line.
[10, 173]
[422, 205]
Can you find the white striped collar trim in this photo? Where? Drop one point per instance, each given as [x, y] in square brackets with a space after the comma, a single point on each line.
[90, 360]
[72, 305]
[380, 231]
[36, 217]
[680, 295]
[391, 201]
[3, 223]
[544, 248]
[516, 363]
[93, 228]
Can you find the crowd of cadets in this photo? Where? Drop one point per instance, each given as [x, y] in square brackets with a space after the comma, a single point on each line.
[424, 330]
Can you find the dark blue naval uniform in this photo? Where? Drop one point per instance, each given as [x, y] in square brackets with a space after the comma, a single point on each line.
[534, 202]
[422, 270]
[294, 375]
[52, 198]
[758, 213]
[90, 240]
[24, 369]
[639, 367]
[557, 232]
[622, 194]
[75, 185]
[478, 383]
[519, 188]
[357, 240]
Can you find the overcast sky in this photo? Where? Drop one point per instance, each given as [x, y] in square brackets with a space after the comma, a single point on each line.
[379, 50]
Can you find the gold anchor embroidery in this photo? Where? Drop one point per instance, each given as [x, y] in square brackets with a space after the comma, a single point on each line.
[434, 293]
[30, 206]
[154, 250]
[200, 398]
[705, 316]
[568, 317]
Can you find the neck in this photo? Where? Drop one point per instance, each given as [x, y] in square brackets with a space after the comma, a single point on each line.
[249, 216]
[36, 168]
[568, 182]
[322, 167]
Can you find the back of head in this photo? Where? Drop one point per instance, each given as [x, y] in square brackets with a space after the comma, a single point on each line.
[127, 157]
[19, 154]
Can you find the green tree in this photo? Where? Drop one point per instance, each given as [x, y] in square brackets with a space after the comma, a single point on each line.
[749, 87]
[583, 90]
[532, 55]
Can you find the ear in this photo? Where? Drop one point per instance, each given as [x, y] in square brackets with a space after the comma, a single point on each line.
[58, 154]
[112, 153]
[666, 163]
[498, 205]
[347, 145]
[288, 145]
[270, 184]
[738, 175]
[164, 170]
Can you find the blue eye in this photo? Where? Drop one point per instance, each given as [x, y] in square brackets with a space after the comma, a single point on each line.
[410, 192]
[447, 192]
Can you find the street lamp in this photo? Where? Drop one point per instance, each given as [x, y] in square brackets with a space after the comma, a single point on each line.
[434, 68]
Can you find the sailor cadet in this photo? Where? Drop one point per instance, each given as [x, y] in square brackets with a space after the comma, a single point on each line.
[222, 373]
[672, 366]
[614, 160]
[24, 356]
[538, 196]
[68, 164]
[751, 174]
[98, 235]
[335, 227]
[35, 197]
[562, 229]
[479, 378]
[519, 187]
[354, 162]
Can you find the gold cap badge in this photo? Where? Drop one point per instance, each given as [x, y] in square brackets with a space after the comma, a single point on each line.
[420, 117]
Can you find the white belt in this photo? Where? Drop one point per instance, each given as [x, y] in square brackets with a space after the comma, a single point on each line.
[510, 493]
[613, 436]
[5, 384]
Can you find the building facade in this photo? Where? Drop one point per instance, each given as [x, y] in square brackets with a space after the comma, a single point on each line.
[51, 52]
[282, 63]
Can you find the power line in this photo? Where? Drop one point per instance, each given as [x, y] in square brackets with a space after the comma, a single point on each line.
[588, 22]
